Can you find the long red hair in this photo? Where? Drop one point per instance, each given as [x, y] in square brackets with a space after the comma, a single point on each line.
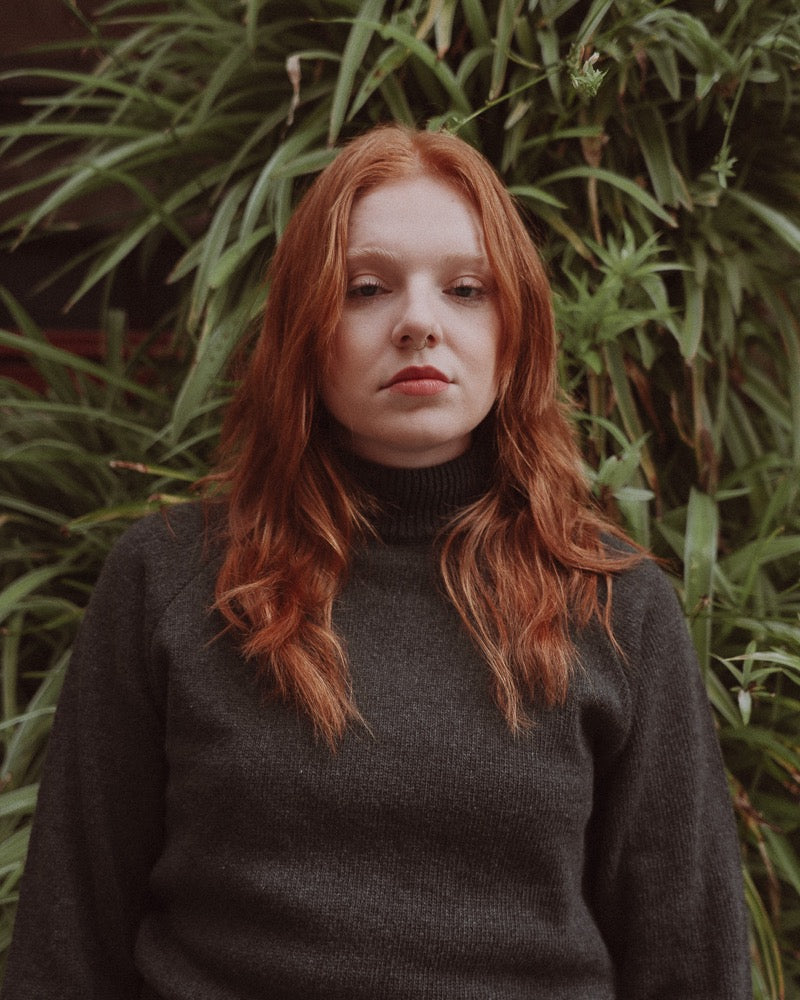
[520, 564]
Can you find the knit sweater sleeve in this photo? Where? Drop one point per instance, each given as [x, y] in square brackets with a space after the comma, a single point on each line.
[99, 819]
[665, 872]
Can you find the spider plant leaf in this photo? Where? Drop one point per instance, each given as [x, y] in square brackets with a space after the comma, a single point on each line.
[233, 257]
[592, 21]
[219, 339]
[86, 84]
[88, 176]
[779, 223]
[508, 12]
[699, 560]
[213, 245]
[443, 27]
[358, 39]
[529, 192]
[70, 361]
[53, 373]
[439, 69]
[387, 63]
[625, 185]
[287, 153]
[651, 134]
[18, 801]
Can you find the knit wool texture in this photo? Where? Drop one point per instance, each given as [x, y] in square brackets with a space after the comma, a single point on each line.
[195, 841]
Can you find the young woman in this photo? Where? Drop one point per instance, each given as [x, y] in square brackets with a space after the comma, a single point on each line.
[394, 714]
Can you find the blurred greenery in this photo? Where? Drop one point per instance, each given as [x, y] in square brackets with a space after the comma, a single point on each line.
[654, 148]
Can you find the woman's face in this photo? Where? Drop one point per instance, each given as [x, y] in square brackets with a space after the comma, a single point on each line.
[413, 366]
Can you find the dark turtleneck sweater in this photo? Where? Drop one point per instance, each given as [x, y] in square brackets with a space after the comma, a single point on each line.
[194, 842]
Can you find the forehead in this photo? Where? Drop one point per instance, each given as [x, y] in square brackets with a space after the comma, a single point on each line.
[415, 212]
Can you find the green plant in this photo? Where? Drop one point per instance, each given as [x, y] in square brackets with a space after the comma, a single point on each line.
[71, 476]
[653, 146]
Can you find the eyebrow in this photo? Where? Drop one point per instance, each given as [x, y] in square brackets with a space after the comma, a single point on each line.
[455, 260]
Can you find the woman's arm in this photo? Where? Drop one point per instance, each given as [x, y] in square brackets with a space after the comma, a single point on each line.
[666, 879]
[99, 818]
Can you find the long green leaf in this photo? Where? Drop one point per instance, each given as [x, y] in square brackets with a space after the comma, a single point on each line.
[779, 223]
[615, 180]
[506, 16]
[20, 801]
[358, 40]
[48, 352]
[699, 561]
[52, 372]
[215, 348]
[16, 592]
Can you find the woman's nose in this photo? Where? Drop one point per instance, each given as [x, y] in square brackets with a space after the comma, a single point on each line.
[416, 327]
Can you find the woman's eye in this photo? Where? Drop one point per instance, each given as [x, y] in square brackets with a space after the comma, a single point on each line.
[364, 290]
[467, 290]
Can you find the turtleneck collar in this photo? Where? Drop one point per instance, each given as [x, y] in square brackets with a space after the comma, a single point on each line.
[415, 503]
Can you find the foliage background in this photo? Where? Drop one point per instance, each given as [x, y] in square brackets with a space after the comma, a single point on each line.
[654, 148]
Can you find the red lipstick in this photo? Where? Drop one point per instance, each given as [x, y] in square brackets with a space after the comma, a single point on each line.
[418, 381]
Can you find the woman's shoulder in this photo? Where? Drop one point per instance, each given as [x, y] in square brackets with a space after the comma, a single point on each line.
[644, 597]
[164, 552]
[646, 578]
[173, 527]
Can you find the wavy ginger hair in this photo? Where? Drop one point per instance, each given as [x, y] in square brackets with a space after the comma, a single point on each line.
[518, 564]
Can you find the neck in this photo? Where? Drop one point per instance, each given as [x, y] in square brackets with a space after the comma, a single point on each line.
[414, 504]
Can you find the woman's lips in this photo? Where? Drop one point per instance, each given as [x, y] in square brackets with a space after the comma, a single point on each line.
[414, 381]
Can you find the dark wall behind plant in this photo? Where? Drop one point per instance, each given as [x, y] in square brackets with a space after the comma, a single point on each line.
[654, 149]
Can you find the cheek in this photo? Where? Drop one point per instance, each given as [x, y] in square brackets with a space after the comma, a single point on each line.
[347, 344]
